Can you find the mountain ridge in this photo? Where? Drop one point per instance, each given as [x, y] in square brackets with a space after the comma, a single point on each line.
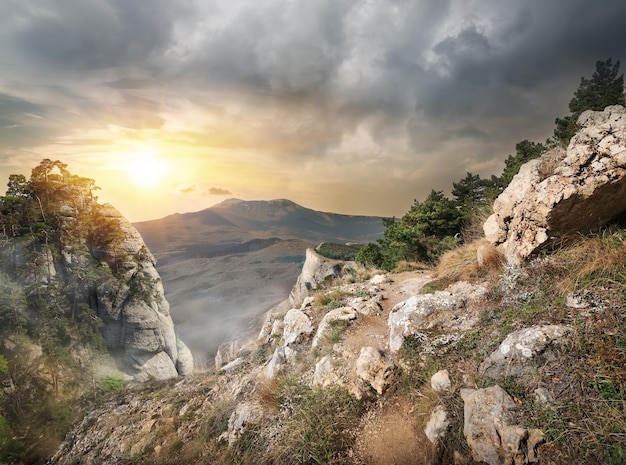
[234, 221]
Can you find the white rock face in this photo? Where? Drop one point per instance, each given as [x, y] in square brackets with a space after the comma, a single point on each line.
[227, 352]
[184, 364]
[245, 413]
[524, 350]
[133, 308]
[486, 429]
[437, 424]
[411, 316]
[586, 190]
[153, 366]
[440, 381]
[338, 314]
[375, 368]
[278, 360]
[325, 374]
[297, 326]
[315, 270]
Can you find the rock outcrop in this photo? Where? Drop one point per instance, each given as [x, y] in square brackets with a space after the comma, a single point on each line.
[562, 194]
[131, 303]
[490, 436]
[315, 271]
[422, 312]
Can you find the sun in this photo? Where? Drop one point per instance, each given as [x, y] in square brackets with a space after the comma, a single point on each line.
[146, 169]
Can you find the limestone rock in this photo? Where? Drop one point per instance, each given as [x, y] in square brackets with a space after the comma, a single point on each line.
[525, 350]
[132, 305]
[488, 434]
[585, 190]
[437, 424]
[297, 326]
[366, 306]
[411, 316]
[266, 327]
[325, 374]
[184, 363]
[233, 365]
[440, 381]
[152, 366]
[316, 270]
[227, 352]
[378, 279]
[278, 360]
[375, 368]
[245, 414]
[338, 314]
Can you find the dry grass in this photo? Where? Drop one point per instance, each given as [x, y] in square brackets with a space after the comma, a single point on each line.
[266, 393]
[404, 265]
[473, 227]
[595, 260]
[462, 263]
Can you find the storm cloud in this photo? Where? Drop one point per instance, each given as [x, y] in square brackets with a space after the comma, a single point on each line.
[404, 95]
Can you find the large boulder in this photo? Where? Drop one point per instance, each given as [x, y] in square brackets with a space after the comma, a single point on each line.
[488, 433]
[333, 316]
[563, 194]
[375, 368]
[297, 326]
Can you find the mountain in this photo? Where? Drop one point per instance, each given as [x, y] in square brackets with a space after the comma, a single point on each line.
[225, 228]
[224, 266]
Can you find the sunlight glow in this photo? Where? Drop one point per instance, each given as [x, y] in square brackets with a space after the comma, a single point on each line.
[146, 168]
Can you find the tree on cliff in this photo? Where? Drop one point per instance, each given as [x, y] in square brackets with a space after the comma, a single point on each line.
[426, 231]
[603, 89]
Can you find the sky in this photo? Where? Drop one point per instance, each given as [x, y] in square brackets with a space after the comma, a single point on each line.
[347, 106]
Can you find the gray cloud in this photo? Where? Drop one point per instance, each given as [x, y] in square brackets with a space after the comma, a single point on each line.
[218, 191]
[437, 87]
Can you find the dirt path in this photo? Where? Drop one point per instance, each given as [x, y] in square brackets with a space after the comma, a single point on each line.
[390, 434]
[373, 330]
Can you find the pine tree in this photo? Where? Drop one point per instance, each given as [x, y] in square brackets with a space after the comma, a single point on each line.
[603, 89]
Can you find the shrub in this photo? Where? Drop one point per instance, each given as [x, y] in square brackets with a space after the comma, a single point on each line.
[112, 382]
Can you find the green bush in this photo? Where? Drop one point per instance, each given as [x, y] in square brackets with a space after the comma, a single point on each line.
[112, 382]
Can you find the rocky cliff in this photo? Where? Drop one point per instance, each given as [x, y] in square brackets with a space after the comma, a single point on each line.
[566, 192]
[75, 269]
[132, 306]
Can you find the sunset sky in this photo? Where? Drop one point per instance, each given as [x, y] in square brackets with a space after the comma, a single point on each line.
[349, 106]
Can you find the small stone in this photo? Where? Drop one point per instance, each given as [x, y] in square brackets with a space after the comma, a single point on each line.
[437, 424]
[440, 381]
[543, 396]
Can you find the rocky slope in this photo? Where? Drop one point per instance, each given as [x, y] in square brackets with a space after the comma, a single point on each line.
[434, 377]
[225, 266]
[479, 361]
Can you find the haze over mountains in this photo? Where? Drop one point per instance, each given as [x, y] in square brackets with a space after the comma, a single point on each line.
[224, 266]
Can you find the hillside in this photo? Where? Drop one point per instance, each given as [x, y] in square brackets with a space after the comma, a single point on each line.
[510, 351]
[223, 267]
